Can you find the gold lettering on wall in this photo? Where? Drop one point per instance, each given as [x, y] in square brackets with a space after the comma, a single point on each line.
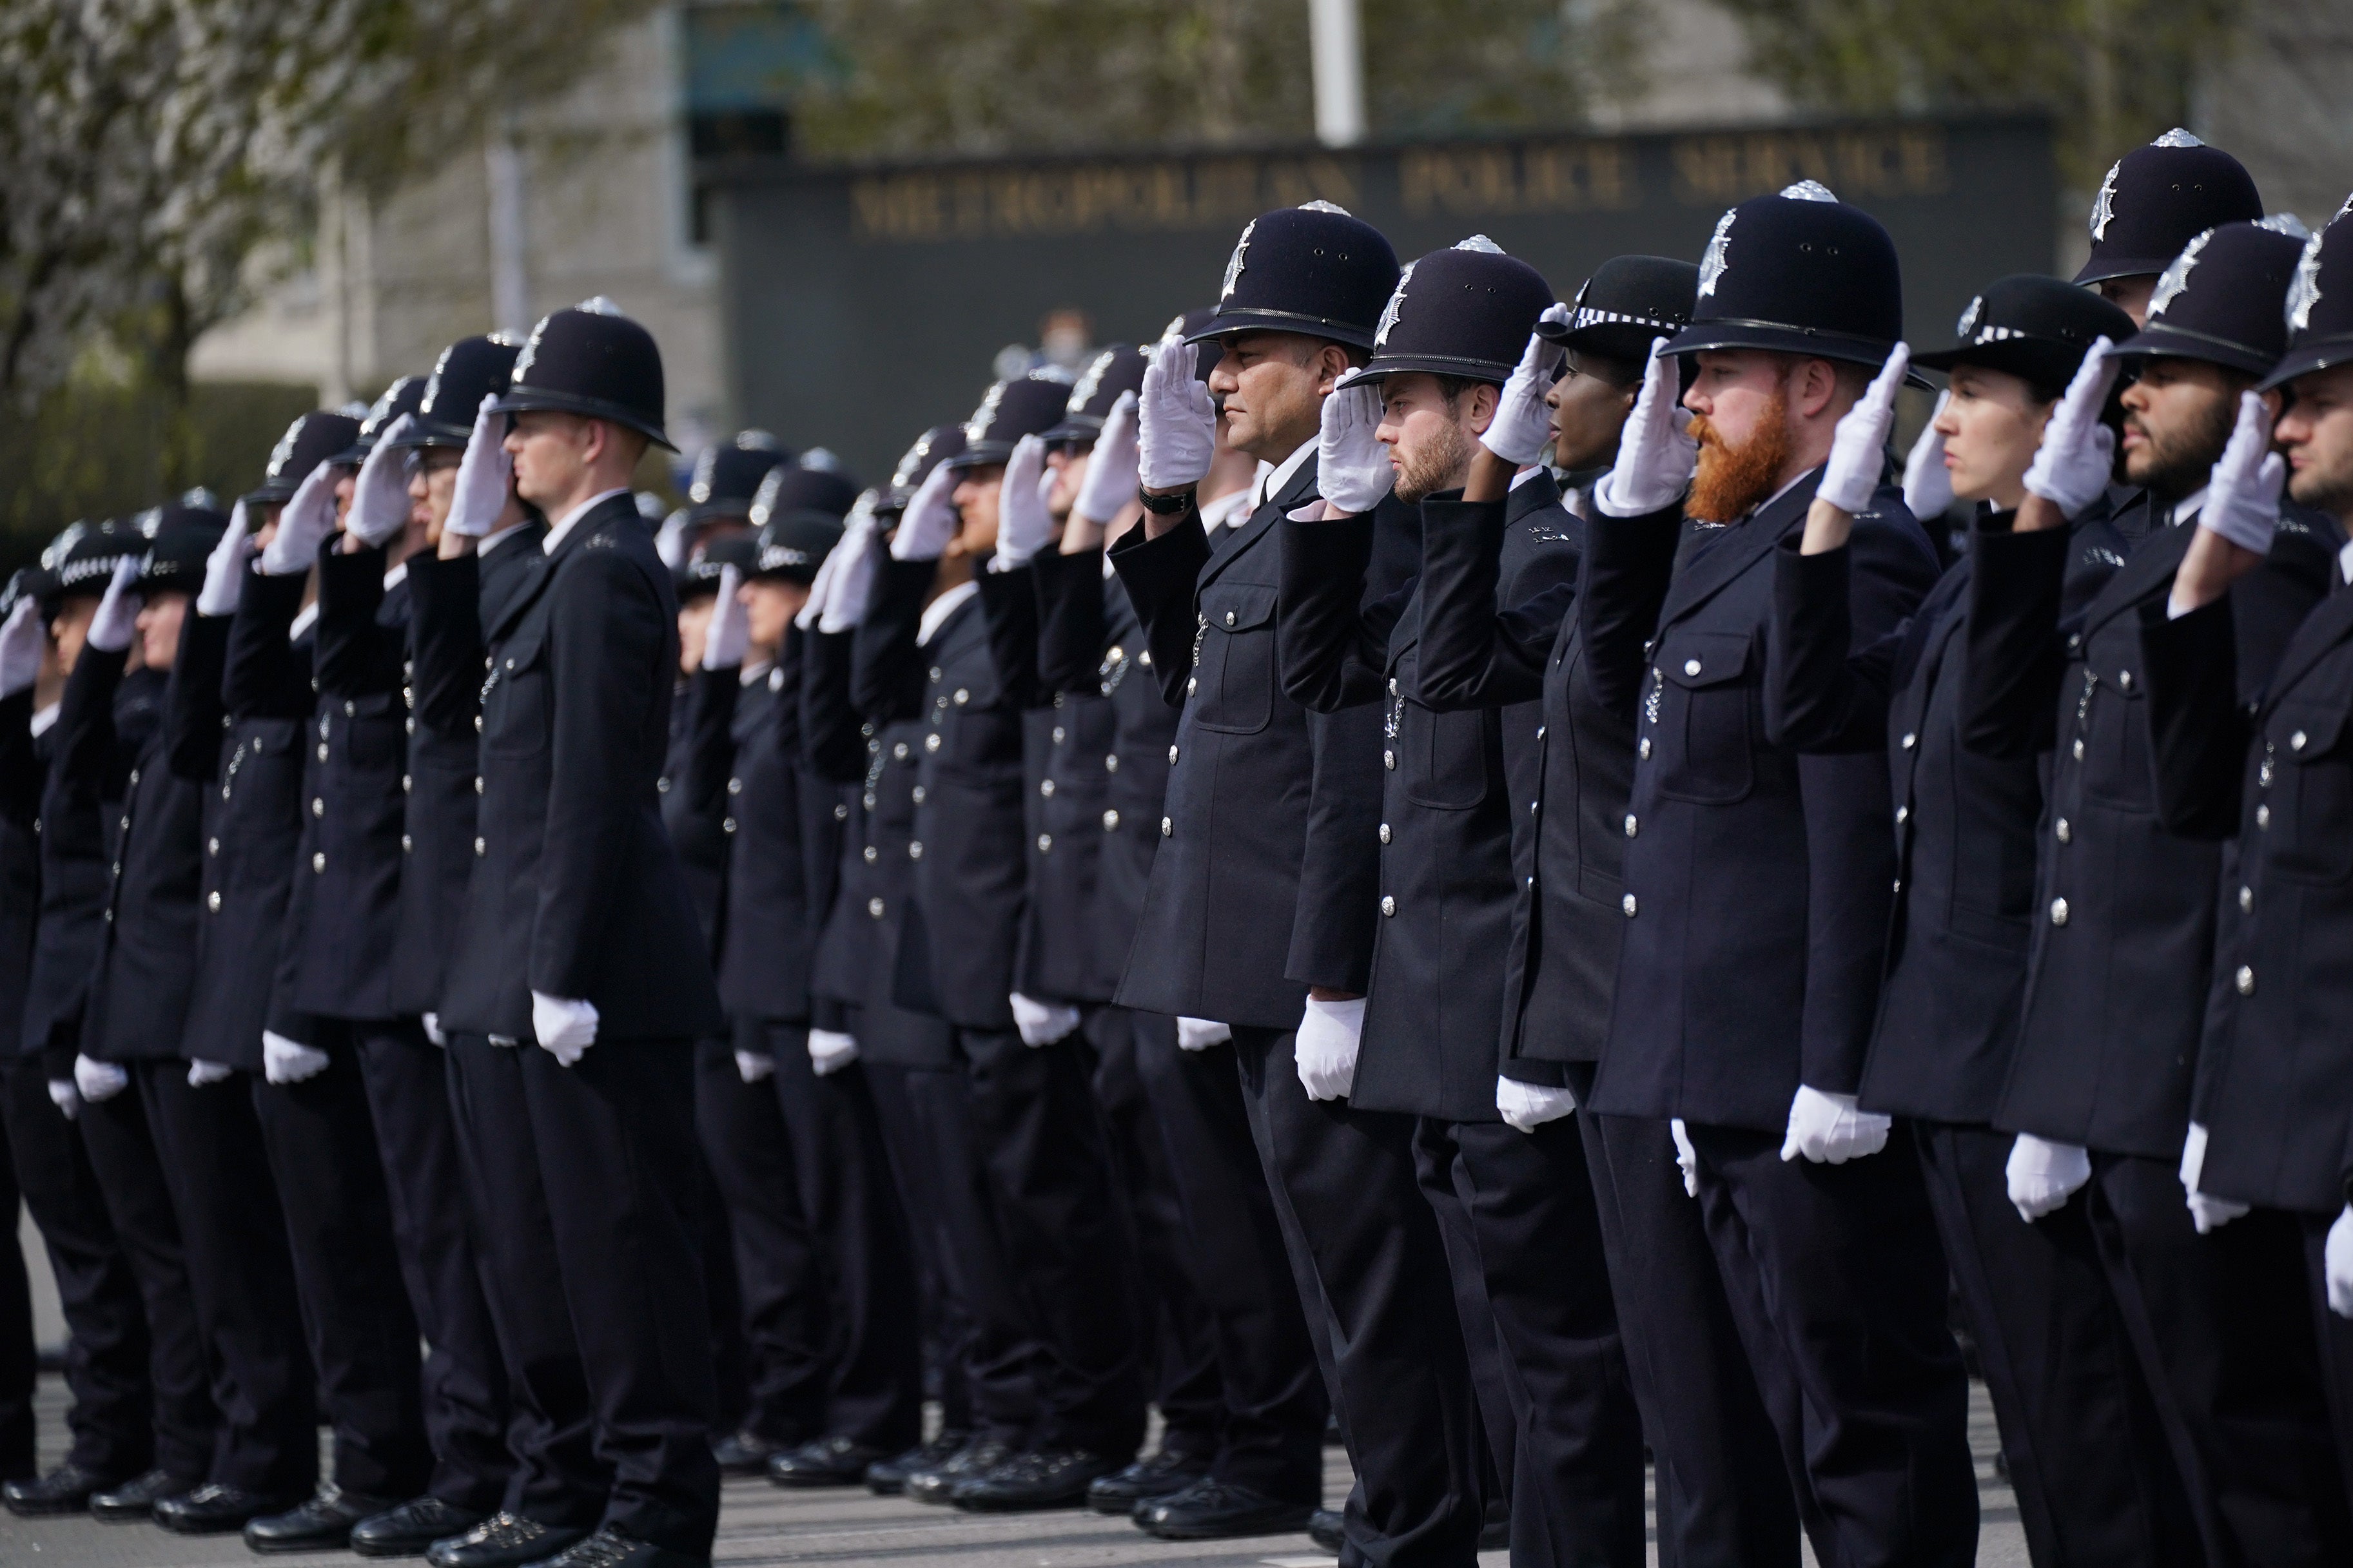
[1501, 180]
[1016, 202]
[1892, 160]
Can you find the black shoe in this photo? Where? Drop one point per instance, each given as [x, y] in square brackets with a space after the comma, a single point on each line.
[503, 1541]
[608, 1547]
[135, 1500]
[1217, 1510]
[743, 1454]
[933, 1483]
[64, 1489]
[216, 1510]
[322, 1524]
[1325, 1529]
[1158, 1476]
[408, 1529]
[1052, 1477]
[888, 1478]
[826, 1462]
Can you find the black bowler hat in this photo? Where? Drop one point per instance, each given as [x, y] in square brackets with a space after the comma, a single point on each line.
[2319, 309]
[178, 537]
[2157, 198]
[1313, 270]
[591, 360]
[80, 560]
[1465, 312]
[1797, 273]
[933, 447]
[402, 396]
[2033, 327]
[1119, 368]
[728, 475]
[313, 439]
[34, 582]
[795, 486]
[700, 575]
[1192, 327]
[1629, 302]
[793, 544]
[2223, 299]
[1026, 405]
[468, 371]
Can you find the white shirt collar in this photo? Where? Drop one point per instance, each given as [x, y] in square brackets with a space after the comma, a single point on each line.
[2189, 506]
[302, 622]
[937, 613]
[398, 574]
[1271, 481]
[1524, 475]
[754, 673]
[1229, 509]
[490, 542]
[556, 535]
[44, 717]
[2344, 565]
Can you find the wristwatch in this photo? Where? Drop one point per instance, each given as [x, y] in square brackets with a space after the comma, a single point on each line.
[1168, 505]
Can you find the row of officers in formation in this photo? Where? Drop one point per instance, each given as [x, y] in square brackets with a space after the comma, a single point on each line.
[1493, 875]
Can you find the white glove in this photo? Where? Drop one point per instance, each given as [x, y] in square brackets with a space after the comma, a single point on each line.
[64, 1096]
[1858, 445]
[1326, 1046]
[1528, 1106]
[1828, 1129]
[1110, 482]
[860, 521]
[670, 539]
[303, 524]
[2337, 1264]
[1656, 452]
[117, 618]
[432, 1022]
[99, 1080]
[380, 495]
[1927, 483]
[1177, 422]
[730, 632]
[485, 475]
[2209, 1215]
[931, 521]
[2043, 1175]
[1521, 428]
[1352, 468]
[202, 1072]
[1686, 1157]
[567, 1027]
[1200, 1034]
[1024, 527]
[861, 554]
[2242, 494]
[753, 1066]
[289, 1061]
[2071, 466]
[226, 568]
[830, 1050]
[1042, 1023]
[21, 641]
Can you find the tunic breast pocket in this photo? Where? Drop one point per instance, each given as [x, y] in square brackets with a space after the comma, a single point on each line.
[2305, 816]
[1233, 677]
[378, 737]
[1700, 708]
[1444, 756]
[516, 710]
[2114, 731]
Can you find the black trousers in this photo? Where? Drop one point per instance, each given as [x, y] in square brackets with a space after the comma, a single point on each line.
[559, 1477]
[19, 1360]
[320, 1136]
[1399, 1365]
[865, 1262]
[240, 1274]
[2223, 1328]
[731, 1352]
[749, 1148]
[107, 1347]
[1179, 1344]
[2088, 1459]
[1835, 1270]
[1270, 1433]
[1724, 1497]
[465, 1385]
[945, 1324]
[2334, 1335]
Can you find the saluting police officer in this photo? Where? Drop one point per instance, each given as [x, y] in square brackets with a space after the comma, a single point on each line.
[2153, 200]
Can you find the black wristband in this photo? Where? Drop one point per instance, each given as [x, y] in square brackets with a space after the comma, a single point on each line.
[1168, 505]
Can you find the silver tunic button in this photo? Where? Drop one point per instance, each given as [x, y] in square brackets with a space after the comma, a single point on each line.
[2064, 830]
[874, 908]
[2058, 911]
[1046, 788]
[1384, 833]
[1045, 843]
[932, 742]
[899, 750]
[1166, 827]
[915, 850]
[2246, 898]
[1644, 750]
[734, 786]
[962, 695]
[1630, 825]
[2079, 751]
[935, 675]
[350, 710]
[1058, 734]
[323, 751]
[1111, 820]
[1192, 684]
[1229, 617]
[729, 825]
[1388, 905]
[1691, 667]
[477, 724]
[919, 791]
[212, 846]
[1903, 815]
[2263, 816]
[1910, 740]
[1627, 903]
[482, 846]
[478, 784]
[1540, 729]
[319, 862]
[1172, 756]
[2296, 741]
[1393, 686]
[1111, 764]
[2246, 979]
[406, 844]
[841, 811]
[872, 854]
[318, 806]
[1388, 760]
[406, 784]
[212, 902]
[2124, 679]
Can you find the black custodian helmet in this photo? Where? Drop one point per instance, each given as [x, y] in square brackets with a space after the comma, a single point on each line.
[313, 439]
[700, 575]
[1797, 273]
[1628, 301]
[2319, 309]
[1117, 369]
[179, 537]
[2033, 327]
[2157, 198]
[2223, 299]
[1025, 405]
[468, 371]
[795, 486]
[592, 360]
[933, 447]
[793, 544]
[80, 560]
[727, 475]
[1313, 270]
[1466, 311]
[401, 398]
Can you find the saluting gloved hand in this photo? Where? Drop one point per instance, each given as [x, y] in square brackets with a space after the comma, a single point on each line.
[1024, 527]
[567, 1027]
[670, 539]
[20, 647]
[2078, 453]
[1927, 483]
[289, 1061]
[99, 1082]
[730, 632]
[117, 618]
[753, 1066]
[1042, 1023]
[202, 1072]
[226, 568]
[931, 521]
[1521, 428]
[1177, 420]
[380, 495]
[1110, 482]
[303, 524]
[2337, 1264]
[1326, 1046]
[1828, 1129]
[860, 554]
[2242, 493]
[1656, 452]
[1858, 445]
[830, 1050]
[2043, 1175]
[1528, 1106]
[64, 1096]
[1686, 1157]
[485, 475]
[2208, 1214]
[1200, 1034]
[1352, 466]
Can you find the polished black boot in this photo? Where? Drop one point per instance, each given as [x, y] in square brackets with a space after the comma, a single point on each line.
[413, 1527]
[888, 1478]
[135, 1500]
[827, 1462]
[216, 1510]
[1027, 1482]
[1164, 1472]
[64, 1489]
[323, 1523]
[1217, 1510]
[503, 1541]
[934, 1483]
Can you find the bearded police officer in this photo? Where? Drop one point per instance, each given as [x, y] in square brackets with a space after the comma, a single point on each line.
[2155, 200]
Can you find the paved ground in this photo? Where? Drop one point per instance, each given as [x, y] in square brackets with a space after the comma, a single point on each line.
[760, 1526]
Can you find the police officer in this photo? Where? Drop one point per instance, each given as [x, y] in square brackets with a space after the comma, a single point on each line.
[2155, 200]
[1756, 881]
[727, 478]
[601, 993]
